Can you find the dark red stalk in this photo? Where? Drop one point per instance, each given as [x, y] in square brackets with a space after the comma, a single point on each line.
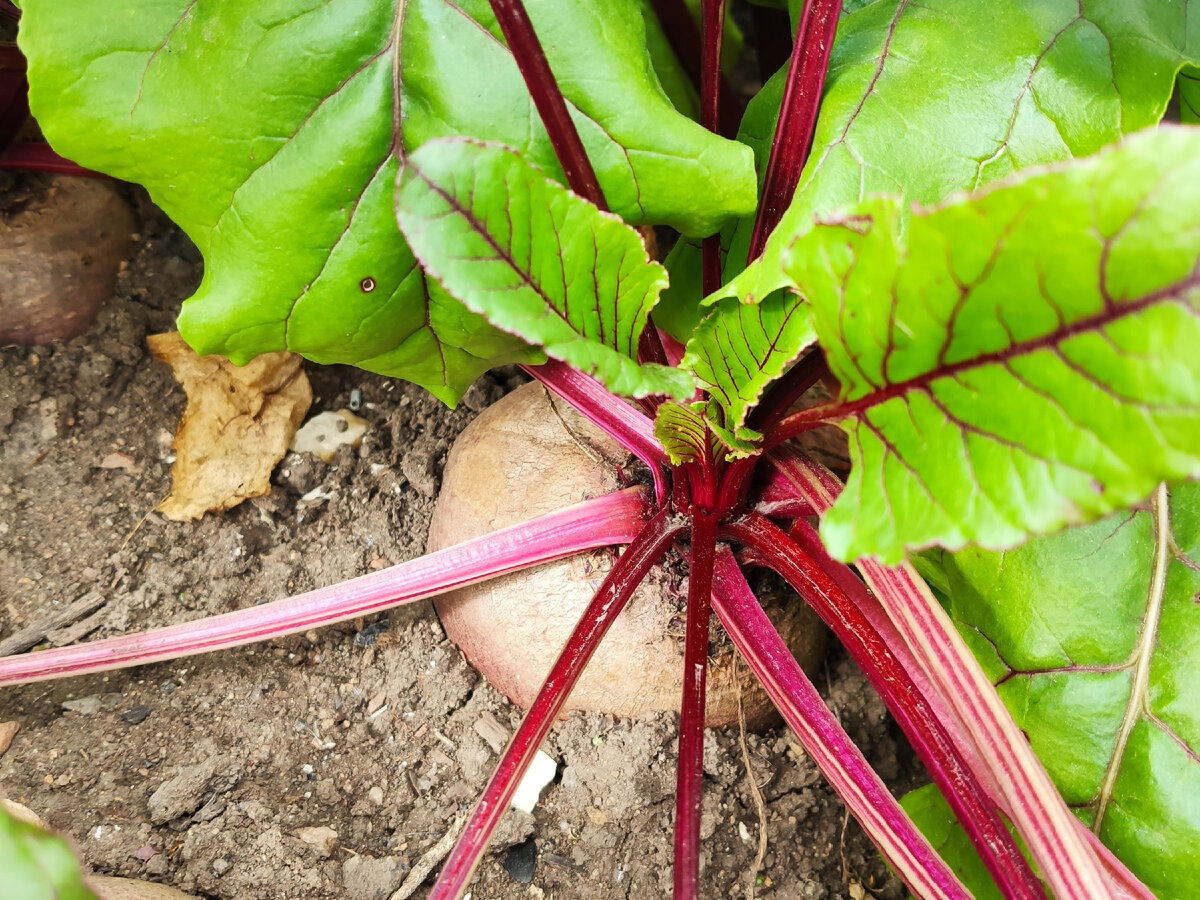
[14, 96]
[564, 137]
[535, 69]
[916, 717]
[684, 38]
[650, 346]
[33, 156]
[9, 11]
[689, 767]
[627, 573]
[784, 392]
[797, 115]
[988, 737]
[712, 24]
[840, 761]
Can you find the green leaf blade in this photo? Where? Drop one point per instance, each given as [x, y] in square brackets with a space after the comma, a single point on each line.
[1095, 635]
[1013, 363]
[283, 174]
[536, 260]
[924, 99]
[36, 864]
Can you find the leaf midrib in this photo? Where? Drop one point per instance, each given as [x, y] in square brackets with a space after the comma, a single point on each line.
[504, 256]
[1143, 653]
[1111, 313]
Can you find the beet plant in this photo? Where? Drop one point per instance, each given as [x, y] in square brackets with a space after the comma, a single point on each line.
[940, 210]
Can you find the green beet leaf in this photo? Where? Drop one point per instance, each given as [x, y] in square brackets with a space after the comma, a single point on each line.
[655, 165]
[930, 812]
[739, 349]
[1093, 640]
[37, 865]
[270, 132]
[923, 99]
[535, 259]
[1017, 361]
[1189, 96]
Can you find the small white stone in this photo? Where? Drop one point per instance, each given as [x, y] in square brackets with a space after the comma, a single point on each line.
[324, 433]
[540, 773]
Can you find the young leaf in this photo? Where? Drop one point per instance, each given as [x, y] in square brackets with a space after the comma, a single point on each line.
[37, 865]
[1021, 360]
[1092, 639]
[535, 259]
[923, 99]
[271, 135]
[682, 432]
[739, 349]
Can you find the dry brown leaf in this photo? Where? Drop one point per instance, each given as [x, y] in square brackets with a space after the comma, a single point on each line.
[237, 426]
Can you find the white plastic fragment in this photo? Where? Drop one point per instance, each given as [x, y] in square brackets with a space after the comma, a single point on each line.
[540, 773]
[324, 433]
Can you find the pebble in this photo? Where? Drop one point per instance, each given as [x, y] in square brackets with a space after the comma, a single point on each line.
[540, 773]
[136, 716]
[370, 634]
[375, 795]
[182, 794]
[417, 466]
[321, 837]
[85, 706]
[493, 733]
[156, 865]
[368, 878]
[8, 730]
[520, 861]
[221, 865]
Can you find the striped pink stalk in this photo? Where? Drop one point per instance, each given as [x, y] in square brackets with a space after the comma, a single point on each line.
[1030, 799]
[611, 519]
[903, 694]
[838, 758]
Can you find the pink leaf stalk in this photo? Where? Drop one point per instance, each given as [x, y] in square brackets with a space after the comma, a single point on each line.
[604, 521]
[902, 694]
[840, 761]
[1066, 859]
[626, 574]
[629, 427]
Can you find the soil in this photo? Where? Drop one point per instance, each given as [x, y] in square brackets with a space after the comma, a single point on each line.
[218, 774]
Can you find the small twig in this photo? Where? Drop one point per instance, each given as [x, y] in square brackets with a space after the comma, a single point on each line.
[117, 388]
[842, 849]
[428, 861]
[759, 807]
[32, 634]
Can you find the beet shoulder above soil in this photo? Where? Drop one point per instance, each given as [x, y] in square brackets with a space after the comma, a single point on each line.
[219, 774]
